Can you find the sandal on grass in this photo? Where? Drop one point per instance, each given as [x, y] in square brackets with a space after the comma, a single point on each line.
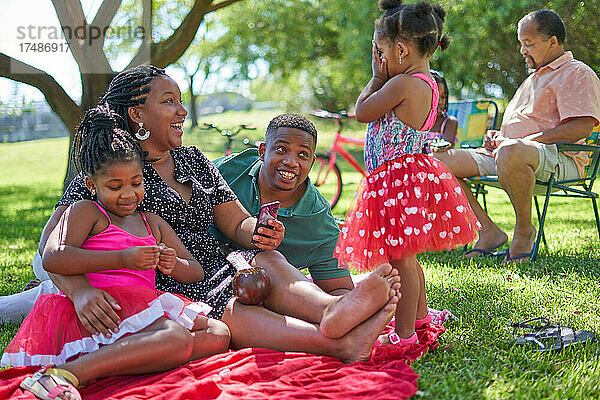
[484, 252]
[546, 336]
[63, 381]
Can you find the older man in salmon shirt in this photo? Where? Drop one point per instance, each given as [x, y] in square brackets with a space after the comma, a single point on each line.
[558, 102]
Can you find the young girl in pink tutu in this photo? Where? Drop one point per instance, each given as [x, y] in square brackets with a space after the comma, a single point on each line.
[118, 250]
[410, 203]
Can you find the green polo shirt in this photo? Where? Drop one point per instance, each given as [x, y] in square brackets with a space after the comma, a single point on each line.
[310, 229]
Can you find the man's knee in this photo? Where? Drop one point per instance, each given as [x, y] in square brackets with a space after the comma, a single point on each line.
[270, 258]
[514, 153]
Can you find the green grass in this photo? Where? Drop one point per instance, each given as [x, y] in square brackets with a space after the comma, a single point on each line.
[475, 359]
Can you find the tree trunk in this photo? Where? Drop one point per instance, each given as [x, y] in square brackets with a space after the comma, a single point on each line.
[193, 114]
[90, 57]
[93, 86]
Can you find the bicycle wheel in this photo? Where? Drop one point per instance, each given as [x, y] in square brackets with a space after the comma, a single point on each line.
[327, 181]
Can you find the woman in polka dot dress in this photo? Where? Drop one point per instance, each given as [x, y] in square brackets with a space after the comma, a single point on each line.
[410, 203]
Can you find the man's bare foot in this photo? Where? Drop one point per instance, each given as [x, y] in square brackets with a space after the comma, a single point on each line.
[357, 344]
[521, 245]
[488, 242]
[370, 295]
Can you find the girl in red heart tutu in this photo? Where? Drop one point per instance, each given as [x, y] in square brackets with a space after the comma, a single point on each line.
[410, 203]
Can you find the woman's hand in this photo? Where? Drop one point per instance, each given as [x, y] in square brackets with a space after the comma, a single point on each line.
[269, 238]
[96, 309]
[379, 65]
[141, 258]
[167, 259]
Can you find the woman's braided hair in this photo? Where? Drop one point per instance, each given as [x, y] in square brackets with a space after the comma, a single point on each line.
[103, 142]
[128, 89]
[420, 23]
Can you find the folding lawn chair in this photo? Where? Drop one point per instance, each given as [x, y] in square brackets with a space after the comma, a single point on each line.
[578, 188]
[472, 116]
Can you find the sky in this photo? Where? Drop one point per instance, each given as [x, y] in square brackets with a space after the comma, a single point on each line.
[35, 21]
[15, 20]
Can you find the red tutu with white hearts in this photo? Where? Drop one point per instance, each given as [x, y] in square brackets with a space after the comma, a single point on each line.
[53, 334]
[407, 206]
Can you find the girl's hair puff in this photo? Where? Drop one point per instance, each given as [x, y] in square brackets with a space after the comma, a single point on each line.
[420, 23]
[102, 142]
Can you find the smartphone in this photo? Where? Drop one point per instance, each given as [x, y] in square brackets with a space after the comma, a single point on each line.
[267, 211]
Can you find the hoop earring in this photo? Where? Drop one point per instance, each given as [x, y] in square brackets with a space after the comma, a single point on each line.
[142, 134]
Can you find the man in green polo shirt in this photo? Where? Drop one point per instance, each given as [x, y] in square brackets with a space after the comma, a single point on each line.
[278, 170]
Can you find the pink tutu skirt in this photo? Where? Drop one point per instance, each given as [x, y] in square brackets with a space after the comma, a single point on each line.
[53, 334]
[407, 206]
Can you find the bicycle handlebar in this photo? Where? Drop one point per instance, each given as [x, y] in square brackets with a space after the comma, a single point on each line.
[228, 132]
[327, 114]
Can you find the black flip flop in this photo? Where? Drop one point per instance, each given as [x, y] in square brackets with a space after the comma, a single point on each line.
[546, 336]
[523, 257]
[486, 253]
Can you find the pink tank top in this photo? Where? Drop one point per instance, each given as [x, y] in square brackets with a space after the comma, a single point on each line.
[114, 238]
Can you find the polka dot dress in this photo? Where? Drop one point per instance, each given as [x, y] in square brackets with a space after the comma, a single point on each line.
[406, 206]
[189, 220]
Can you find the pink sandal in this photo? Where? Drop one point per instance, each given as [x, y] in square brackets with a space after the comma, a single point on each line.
[397, 340]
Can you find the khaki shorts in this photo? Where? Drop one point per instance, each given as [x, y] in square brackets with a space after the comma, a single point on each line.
[550, 160]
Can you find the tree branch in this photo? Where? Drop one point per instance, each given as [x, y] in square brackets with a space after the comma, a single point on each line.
[169, 50]
[60, 102]
[70, 14]
[87, 52]
[107, 11]
[221, 5]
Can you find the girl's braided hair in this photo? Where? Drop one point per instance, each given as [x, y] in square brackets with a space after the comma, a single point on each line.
[102, 142]
[439, 78]
[420, 23]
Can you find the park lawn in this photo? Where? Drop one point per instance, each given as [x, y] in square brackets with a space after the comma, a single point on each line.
[474, 360]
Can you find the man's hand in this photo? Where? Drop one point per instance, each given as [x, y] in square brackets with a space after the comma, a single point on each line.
[269, 238]
[167, 260]
[379, 65]
[141, 258]
[96, 310]
[489, 139]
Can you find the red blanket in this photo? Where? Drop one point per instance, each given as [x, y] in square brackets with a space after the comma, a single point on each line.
[262, 374]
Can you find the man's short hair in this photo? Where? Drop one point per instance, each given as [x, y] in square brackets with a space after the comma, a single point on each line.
[294, 121]
[549, 23]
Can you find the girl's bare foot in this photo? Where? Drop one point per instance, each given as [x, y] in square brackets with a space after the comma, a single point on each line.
[369, 296]
[357, 344]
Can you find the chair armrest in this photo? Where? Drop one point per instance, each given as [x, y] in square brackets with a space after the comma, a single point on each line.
[577, 147]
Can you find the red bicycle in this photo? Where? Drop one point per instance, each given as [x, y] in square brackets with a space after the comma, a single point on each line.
[325, 173]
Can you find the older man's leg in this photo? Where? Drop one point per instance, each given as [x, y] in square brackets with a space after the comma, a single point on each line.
[516, 161]
[462, 165]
